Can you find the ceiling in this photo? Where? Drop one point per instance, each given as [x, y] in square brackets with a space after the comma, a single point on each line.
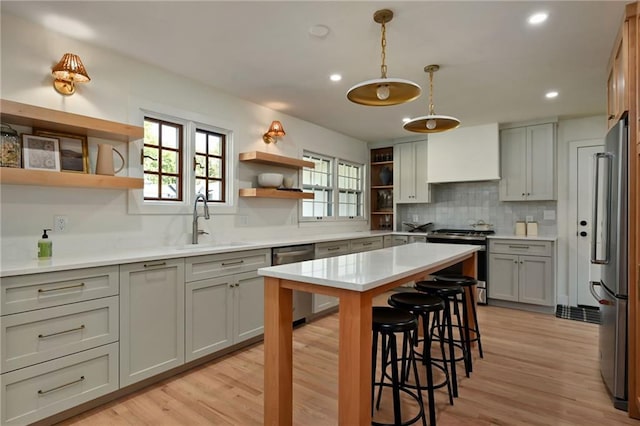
[495, 67]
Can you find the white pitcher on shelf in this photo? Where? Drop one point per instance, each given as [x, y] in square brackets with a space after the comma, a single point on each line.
[104, 163]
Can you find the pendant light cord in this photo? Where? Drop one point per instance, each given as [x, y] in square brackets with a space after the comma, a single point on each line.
[431, 107]
[383, 43]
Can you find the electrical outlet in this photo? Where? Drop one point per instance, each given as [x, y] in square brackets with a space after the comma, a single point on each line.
[416, 218]
[60, 223]
[529, 218]
[243, 220]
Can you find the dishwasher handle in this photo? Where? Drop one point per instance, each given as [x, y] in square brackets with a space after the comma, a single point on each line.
[281, 258]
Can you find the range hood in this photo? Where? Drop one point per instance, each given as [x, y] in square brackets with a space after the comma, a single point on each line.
[464, 154]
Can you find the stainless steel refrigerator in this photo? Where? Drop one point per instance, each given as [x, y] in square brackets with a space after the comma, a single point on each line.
[610, 251]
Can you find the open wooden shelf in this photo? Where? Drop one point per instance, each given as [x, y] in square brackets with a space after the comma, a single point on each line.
[275, 160]
[274, 193]
[77, 180]
[50, 119]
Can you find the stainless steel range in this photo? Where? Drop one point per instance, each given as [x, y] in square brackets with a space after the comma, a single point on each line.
[466, 236]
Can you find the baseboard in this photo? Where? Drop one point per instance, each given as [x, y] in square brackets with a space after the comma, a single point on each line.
[522, 306]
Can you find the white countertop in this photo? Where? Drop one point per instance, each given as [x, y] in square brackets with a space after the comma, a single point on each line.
[364, 271]
[120, 256]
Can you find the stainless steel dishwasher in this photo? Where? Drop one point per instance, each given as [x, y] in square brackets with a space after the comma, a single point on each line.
[292, 254]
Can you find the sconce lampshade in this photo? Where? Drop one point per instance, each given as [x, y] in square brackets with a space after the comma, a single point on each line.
[274, 131]
[67, 72]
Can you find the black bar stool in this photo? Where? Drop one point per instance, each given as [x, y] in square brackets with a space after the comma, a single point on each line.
[444, 329]
[387, 322]
[423, 305]
[466, 282]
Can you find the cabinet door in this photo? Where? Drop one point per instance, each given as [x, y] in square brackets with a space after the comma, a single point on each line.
[422, 187]
[248, 306]
[395, 240]
[151, 318]
[503, 277]
[208, 316]
[404, 173]
[513, 144]
[536, 281]
[540, 162]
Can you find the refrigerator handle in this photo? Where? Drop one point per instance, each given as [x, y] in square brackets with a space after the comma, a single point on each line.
[607, 203]
[600, 300]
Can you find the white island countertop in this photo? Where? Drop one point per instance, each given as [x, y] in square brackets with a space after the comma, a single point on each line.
[367, 270]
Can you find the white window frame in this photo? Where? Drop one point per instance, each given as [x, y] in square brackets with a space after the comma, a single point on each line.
[190, 122]
[359, 191]
[335, 191]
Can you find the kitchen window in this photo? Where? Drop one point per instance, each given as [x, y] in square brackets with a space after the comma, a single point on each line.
[334, 183]
[163, 150]
[209, 165]
[182, 156]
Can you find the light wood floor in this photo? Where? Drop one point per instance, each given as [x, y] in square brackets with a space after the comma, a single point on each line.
[537, 370]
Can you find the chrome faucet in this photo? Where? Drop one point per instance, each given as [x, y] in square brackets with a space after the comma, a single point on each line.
[196, 231]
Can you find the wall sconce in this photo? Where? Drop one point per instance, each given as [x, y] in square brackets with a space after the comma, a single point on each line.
[67, 72]
[274, 131]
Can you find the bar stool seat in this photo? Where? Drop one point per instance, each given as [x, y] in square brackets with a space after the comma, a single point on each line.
[387, 321]
[423, 306]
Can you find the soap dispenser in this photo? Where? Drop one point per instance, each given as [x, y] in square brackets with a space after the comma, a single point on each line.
[45, 246]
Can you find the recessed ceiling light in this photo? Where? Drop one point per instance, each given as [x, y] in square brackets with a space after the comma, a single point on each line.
[551, 95]
[406, 120]
[538, 18]
[335, 77]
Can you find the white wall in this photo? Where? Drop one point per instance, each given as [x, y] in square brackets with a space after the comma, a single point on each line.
[569, 131]
[98, 218]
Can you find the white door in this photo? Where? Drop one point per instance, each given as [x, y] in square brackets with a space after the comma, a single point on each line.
[581, 190]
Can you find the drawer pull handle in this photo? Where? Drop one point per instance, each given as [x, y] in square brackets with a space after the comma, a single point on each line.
[42, 392]
[518, 247]
[151, 265]
[44, 336]
[237, 262]
[46, 290]
[366, 244]
[333, 248]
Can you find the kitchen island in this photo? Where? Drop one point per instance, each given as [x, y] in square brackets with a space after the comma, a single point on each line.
[355, 279]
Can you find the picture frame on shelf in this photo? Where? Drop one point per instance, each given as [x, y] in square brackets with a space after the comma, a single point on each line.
[74, 150]
[40, 152]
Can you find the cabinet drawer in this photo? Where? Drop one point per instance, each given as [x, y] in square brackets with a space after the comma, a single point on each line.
[365, 244]
[395, 240]
[36, 392]
[216, 265]
[37, 336]
[331, 248]
[537, 248]
[28, 292]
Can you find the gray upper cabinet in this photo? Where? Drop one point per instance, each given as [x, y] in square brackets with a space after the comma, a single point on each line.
[528, 163]
[410, 172]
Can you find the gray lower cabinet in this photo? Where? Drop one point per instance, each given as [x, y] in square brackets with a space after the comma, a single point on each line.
[151, 318]
[59, 341]
[224, 301]
[522, 271]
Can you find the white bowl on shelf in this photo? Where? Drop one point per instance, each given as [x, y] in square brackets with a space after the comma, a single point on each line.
[270, 180]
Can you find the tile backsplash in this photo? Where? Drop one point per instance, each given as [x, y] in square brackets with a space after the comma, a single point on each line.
[456, 205]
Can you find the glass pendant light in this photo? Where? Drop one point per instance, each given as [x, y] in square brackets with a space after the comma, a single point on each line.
[432, 123]
[383, 91]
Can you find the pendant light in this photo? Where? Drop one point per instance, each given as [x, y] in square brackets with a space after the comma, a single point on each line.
[432, 123]
[383, 91]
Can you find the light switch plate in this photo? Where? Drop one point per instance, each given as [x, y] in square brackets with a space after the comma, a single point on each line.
[529, 218]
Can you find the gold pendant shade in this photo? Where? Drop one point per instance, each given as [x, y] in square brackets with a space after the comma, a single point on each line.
[432, 123]
[383, 91]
